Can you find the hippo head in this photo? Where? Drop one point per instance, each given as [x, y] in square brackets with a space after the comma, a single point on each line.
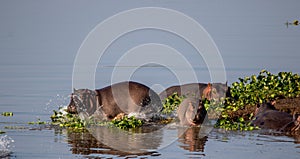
[83, 100]
[260, 108]
[200, 114]
[72, 106]
[222, 90]
[191, 112]
[215, 91]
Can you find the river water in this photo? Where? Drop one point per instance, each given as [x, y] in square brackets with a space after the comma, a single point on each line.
[31, 103]
[38, 46]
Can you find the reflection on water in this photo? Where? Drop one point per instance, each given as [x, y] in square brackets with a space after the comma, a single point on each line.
[191, 139]
[87, 144]
[84, 143]
[128, 141]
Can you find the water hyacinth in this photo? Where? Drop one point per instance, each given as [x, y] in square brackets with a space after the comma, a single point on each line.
[63, 119]
[253, 90]
[39, 122]
[171, 103]
[126, 122]
[73, 121]
[7, 114]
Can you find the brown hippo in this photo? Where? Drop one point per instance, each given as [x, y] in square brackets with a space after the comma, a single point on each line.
[191, 112]
[267, 117]
[108, 102]
[201, 90]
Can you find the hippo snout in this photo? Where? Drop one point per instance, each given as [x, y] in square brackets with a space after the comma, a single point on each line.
[72, 107]
[200, 115]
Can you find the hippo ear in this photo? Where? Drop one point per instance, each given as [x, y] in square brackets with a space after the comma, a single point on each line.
[258, 105]
[209, 85]
[273, 102]
[97, 93]
[200, 101]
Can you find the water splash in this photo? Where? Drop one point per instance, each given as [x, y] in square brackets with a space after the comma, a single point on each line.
[5, 146]
[58, 101]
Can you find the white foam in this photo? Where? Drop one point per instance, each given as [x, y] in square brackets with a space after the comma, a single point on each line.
[137, 115]
[5, 142]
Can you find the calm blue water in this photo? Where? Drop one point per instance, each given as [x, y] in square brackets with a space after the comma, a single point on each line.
[39, 42]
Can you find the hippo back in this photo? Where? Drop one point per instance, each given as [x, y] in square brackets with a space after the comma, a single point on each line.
[128, 97]
[200, 90]
[108, 102]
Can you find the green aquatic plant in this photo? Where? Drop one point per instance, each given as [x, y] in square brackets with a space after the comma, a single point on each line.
[2, 132]
[72, 121]
[171, 103]
[238, 123]
[127, 122]
[39, 122]
[15, 127]
[295, 22]
[7, 114]
[264, 87]
[250, 91]
[213, 107]
[66, 120]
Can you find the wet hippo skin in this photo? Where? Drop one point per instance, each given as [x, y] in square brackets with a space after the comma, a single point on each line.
[267, 117]
[191, 112]
[199, 90]
[108, 102]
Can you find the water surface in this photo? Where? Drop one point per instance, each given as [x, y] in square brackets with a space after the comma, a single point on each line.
[39, 42]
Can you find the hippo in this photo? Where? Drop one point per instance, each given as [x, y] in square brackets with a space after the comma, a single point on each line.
[267, 117]
[108, 102]
[191, 112]
[201, 90]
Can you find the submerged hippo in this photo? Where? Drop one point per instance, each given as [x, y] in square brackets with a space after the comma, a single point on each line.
[191, 112]
[267, 117]
[201, 90]
[108, 102]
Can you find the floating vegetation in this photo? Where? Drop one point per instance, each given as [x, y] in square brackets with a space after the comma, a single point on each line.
[73, 121]
[264, 87]
[39, 122]
[295, 23]
[249, 91]
[7, 114]
[213, 107]
[2, 132]
[66, 120]
[126, 122]
[15, 127]
[171, 103]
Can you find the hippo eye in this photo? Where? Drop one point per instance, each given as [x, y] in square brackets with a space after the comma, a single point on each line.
[262, 123]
